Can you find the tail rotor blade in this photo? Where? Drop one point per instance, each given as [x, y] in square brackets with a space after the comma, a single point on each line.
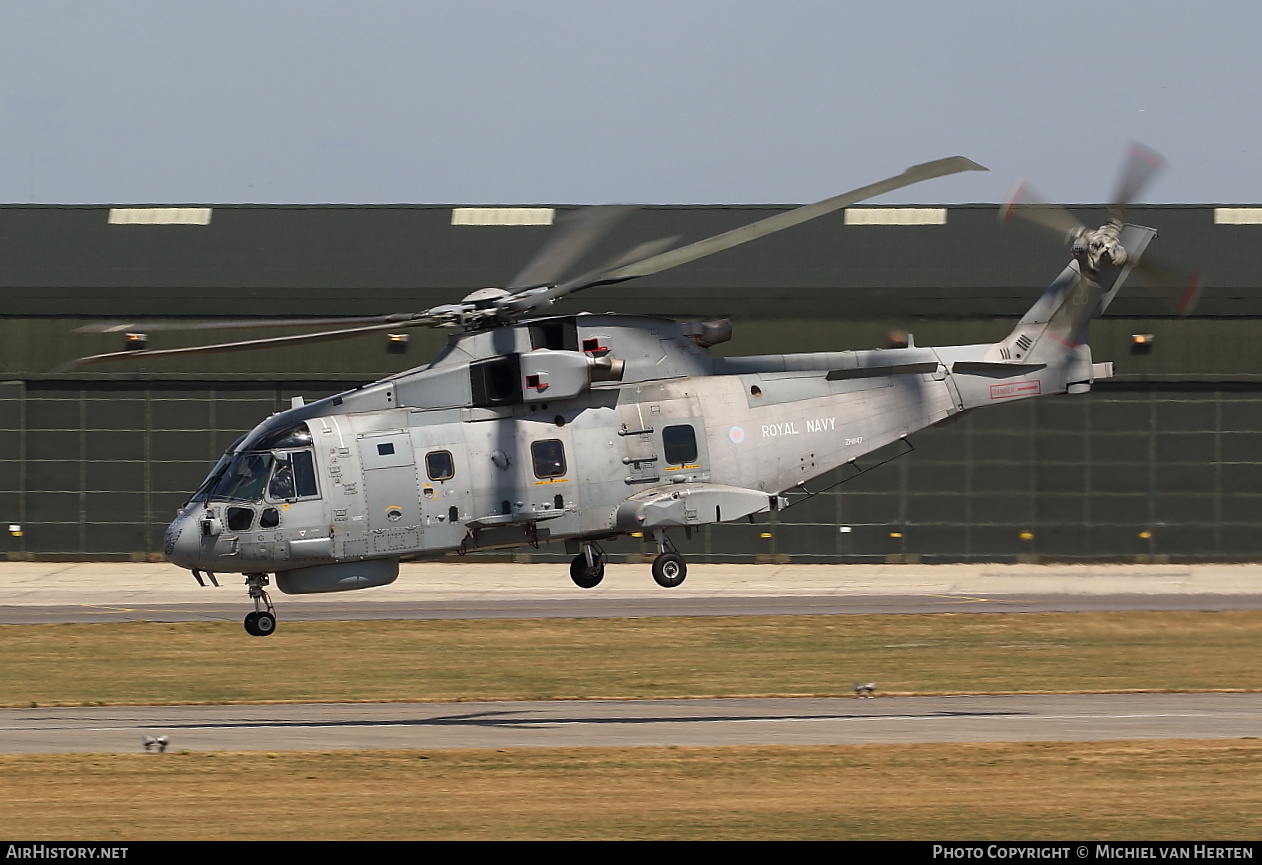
[1026, 202]
[1140, 166]
[1178, 288]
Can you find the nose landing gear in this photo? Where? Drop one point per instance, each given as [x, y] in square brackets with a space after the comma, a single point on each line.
[261, 622]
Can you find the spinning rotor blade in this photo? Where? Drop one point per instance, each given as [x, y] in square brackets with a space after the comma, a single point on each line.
[247, 345]
[737, 236]
[232, 324]
[1179, 288]
[578, 233]
[1026, 202]
[1140, 166]
[530, 289]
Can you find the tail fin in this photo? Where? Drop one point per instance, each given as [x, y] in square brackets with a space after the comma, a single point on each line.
[1054, 330]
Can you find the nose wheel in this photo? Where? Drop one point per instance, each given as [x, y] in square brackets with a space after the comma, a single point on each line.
[261, 622]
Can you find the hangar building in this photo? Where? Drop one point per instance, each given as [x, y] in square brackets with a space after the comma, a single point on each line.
[1161, 463]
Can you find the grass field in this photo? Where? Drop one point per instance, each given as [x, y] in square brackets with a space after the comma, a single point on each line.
[110, 664]
[1123, 791]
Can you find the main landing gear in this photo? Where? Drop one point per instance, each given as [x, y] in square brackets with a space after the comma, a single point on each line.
[588, 567]
[261, 622]
[669, 568]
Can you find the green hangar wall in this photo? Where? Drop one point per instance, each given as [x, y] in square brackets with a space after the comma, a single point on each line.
[1161, 463]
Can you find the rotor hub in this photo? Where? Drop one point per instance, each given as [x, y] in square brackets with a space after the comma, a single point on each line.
[1100, 248]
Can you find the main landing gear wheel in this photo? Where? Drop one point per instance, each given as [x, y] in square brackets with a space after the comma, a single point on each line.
[587, 576]
[669, 570]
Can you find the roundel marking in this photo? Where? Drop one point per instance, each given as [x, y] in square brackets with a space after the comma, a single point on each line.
[736, 434]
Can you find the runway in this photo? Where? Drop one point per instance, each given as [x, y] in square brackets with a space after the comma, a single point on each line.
[696, 723]
[95, 592]
[50, 592]
[513, 608]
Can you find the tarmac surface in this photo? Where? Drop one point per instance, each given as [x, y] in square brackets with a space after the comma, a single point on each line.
[631, 723]
[60, 592]
[32, 592]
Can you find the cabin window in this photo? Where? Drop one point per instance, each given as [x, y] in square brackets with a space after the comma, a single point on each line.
[548, 458]
[440, 466]
[680, 444]
[239, 519]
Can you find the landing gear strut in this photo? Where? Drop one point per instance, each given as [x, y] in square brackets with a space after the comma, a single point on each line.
[669, 568]
[261, 622]
[588, 567]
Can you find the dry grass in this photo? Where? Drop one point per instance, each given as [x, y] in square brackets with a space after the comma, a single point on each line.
[144, 663]
[1150, 791]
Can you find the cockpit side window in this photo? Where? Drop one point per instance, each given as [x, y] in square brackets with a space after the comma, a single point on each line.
[293, 477]
[304, 474]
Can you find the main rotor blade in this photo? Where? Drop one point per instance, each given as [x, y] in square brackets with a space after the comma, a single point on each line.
[526, 298]
[1140, 166]
[762, 228]
[247, 345]
[578, 233]
[232, 324]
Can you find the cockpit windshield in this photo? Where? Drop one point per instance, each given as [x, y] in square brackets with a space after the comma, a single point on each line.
[213, 477]
[244, 477]
[293, 437]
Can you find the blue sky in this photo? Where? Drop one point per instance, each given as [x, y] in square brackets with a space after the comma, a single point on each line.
[645, 101]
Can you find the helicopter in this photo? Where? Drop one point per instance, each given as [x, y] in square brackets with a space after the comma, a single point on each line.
[534, 428]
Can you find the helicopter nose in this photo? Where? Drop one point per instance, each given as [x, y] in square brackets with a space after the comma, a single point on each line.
[182, 540]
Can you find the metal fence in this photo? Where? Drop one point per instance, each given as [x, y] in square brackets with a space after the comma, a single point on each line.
[1148, 472]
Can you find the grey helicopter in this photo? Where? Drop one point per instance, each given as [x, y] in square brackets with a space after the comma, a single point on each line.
[533, 428]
